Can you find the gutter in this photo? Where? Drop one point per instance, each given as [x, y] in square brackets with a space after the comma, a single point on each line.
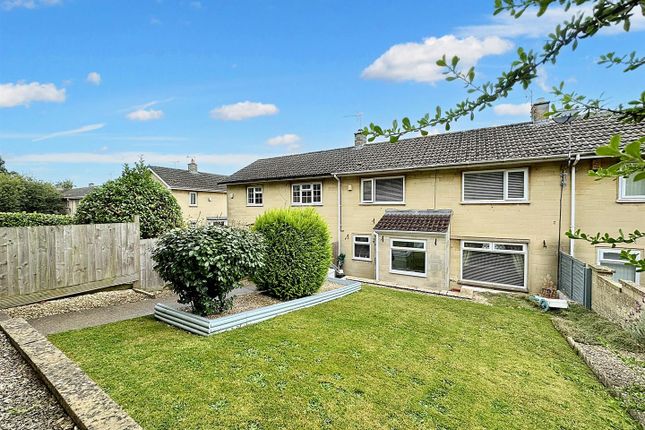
[573, 203]
[340, 213]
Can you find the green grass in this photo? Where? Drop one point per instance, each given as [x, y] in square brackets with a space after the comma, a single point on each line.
[378, 359]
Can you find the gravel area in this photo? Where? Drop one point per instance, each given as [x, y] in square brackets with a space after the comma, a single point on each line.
[25, 403]
[80, 303]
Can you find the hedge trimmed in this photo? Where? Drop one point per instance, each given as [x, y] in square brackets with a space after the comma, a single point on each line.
[25, 219]
[298, 252]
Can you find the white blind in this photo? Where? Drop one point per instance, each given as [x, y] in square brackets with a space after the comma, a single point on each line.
[634, 188]
[491, 267]
[484, 186]
[389, 190]
[515, 187]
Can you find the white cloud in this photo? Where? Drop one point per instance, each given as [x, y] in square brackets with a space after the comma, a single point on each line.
[520, 109]
[145, 115]
[542, 79]
[417, 61]
[530, 25]
[28, 4]
[94, 78]
[243, 110]
[80, 130]
[23, 94]
[289, 141]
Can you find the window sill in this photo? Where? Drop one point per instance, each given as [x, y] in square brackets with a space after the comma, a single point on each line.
[492, 285]
[192, 206]
[382, 204]
[415, 274]
[254, 206]
[636, 200]
[495, 202]
[367, 260]
[306, 204]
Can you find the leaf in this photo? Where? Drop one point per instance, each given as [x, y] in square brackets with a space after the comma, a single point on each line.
[634, 149]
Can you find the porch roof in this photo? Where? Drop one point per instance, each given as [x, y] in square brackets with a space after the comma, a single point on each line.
[422, 221]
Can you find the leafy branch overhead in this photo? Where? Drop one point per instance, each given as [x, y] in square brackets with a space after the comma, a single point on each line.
[523, 70]
[630, 258]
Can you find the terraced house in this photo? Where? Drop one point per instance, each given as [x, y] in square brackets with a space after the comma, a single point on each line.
[201, 196]
[486, 207]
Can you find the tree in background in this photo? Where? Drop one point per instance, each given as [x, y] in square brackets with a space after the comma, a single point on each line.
[593, 16]
[23, 194]
[135, 192]
[64, 185]
[3, 169]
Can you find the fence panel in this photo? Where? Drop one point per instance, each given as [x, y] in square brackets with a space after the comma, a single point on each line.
[150, 279]
[39, 263]
[574, 279]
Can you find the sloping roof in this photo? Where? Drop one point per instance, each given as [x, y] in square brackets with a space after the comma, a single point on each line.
[76, 193]
[427, 221]
[506, 143]
[182, 179]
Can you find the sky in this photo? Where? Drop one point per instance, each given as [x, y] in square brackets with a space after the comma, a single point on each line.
[87, 85]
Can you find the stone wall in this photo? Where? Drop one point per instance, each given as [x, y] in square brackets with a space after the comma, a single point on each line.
[622, 302]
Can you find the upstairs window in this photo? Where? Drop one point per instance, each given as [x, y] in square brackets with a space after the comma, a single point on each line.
[192, 198]
[495, 186]
[254, 196]
[610, 257]
[306, 194]
[631, 190]
[383, 190]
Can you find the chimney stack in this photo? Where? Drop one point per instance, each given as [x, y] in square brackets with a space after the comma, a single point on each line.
[359, 138]
[192, 166]
[538, 110]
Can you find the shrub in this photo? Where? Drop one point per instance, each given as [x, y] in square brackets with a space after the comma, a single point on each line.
[298, 252]
[23, 194]
[204, 264]
[134, 193]
[23, 219]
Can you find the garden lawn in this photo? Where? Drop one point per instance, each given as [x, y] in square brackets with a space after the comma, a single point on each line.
[377, 359]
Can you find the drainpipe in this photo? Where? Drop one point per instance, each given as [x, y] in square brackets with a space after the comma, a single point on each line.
[376, 272]
[573, 203]
[340, 213]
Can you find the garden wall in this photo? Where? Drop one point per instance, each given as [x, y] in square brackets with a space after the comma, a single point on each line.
[622, 302]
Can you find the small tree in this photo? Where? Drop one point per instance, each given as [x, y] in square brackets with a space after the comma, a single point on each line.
[204, 264]
[23, 194]
[298, 252]
[134, 193]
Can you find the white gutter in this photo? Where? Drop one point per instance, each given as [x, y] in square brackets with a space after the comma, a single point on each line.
[376, 271]
[573, 203]
[340, 213]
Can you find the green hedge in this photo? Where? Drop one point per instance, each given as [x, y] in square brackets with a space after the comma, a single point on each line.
[298, 252]
[24, 219]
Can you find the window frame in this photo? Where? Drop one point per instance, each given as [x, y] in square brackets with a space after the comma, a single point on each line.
[505, 198]
[403, 248]
[373, 200]
[255, 194]
[491, 249]
[190, 199]
[601, 251]
[368, 243]
[625, 198]
[311, 184]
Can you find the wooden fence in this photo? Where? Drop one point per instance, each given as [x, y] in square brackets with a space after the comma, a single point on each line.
[150, 279]
[39, 263]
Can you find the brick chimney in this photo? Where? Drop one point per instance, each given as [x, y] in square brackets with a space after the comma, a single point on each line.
[192, 166]
[359, 138]
[538, 110]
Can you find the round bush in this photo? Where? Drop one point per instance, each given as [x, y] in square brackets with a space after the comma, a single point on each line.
[204, 264]
[298, 252]
[135, 192]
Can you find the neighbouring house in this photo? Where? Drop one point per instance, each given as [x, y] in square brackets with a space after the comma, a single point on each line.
[73, 196]
[201, 196]
[485, 207]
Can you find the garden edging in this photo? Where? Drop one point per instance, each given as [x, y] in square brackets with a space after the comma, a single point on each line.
[206, 326]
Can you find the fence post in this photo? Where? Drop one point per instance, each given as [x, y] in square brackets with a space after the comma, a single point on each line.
[137, 252]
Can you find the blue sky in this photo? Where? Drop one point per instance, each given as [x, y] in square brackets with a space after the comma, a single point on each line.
[88, 85]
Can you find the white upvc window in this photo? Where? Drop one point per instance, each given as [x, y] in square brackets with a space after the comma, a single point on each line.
[254, 196]
[630, 190]
[362, 247]
[390, 190]
[306, 194]
[610, 257]
[408, 257]
[496, 263]
[495, 186]
[192, 199]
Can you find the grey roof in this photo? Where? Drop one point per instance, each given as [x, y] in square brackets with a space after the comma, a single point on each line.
[182, 179]
[431, 221]
[76, 193]
[506, 143]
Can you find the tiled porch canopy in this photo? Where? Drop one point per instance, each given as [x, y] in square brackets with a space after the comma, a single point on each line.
[421, 221]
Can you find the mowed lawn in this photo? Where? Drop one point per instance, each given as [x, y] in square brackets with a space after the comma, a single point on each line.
[378, 359]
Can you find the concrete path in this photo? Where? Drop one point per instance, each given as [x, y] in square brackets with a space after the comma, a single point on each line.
[109, 314]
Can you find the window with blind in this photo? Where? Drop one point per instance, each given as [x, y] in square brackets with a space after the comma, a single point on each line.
[501, 264]
[631, 190]
[495, 186]
[610, 257]
[306, 194]
[383, 190]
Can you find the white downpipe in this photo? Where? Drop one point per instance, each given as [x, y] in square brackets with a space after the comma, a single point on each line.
[376, 241]
[340, 214]
[572, 226]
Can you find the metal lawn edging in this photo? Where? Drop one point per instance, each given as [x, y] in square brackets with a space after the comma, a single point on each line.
[207, 326]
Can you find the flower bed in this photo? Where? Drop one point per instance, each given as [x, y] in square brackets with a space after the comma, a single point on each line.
[208, 326]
